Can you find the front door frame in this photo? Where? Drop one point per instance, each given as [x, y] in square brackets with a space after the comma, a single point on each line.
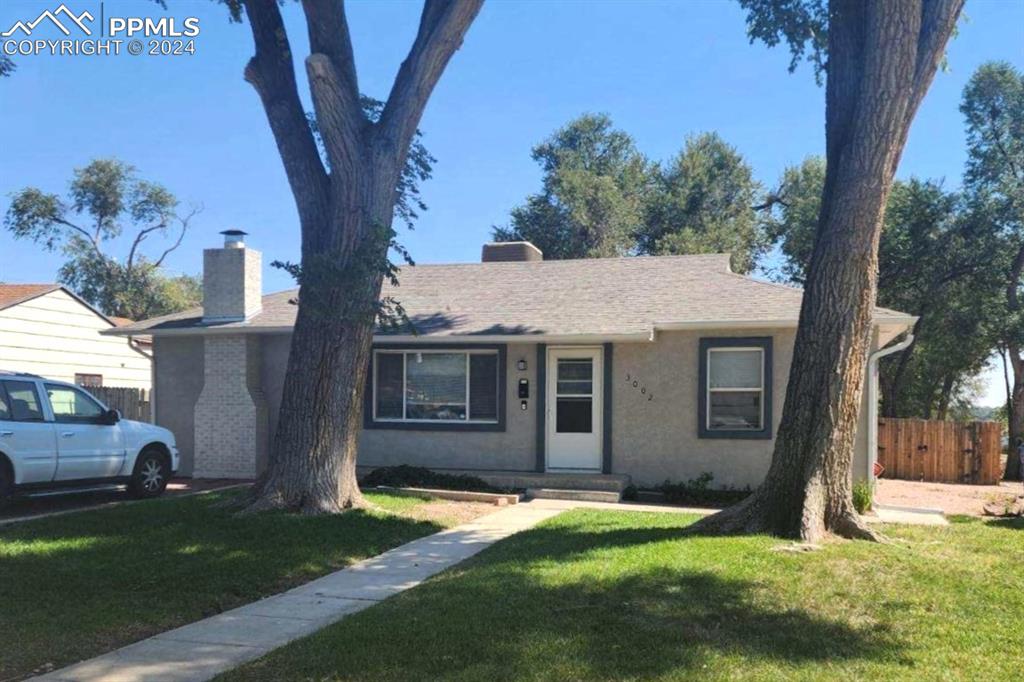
[596, 353]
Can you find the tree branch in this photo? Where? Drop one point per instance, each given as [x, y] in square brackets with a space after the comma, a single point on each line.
[129, 264]
[938, 19]
[339, 117]
[92, 239]
[329, 36]
[181, 235]
[443, 25]
[271, 73]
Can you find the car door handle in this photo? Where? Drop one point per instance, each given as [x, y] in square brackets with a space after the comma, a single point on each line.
[67, 434]
[6, 433]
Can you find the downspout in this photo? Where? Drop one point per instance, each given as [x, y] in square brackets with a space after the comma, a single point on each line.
[873, 400]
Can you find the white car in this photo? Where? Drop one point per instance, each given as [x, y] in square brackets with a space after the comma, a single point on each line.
[55, 436]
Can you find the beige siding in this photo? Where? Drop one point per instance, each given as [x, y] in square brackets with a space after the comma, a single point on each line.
[179, 377]
[653, 440]
[56, 336]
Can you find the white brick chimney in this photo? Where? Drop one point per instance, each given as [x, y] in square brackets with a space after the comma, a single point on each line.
[230, 415]
[232, 280]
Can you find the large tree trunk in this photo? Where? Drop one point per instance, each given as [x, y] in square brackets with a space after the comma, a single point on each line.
[313, 467]
[345, 216]
[882, 58]
[1015, 415]
[1016, 420]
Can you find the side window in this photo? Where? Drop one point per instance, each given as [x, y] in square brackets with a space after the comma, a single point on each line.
[89, 380]
[5, 406]
[23, 400]
[71, 406]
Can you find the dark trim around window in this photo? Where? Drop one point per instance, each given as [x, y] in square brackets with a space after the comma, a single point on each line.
[606, 420]
[765, 344]
[541, 392]
[369, 423]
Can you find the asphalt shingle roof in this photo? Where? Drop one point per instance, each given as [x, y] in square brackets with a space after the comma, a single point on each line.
[13, 294]
[607, 296]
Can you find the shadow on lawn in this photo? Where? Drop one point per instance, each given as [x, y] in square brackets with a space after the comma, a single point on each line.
[122, 573]
[547, 604]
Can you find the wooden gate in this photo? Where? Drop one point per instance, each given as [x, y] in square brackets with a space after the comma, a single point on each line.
[132, 402]
[940, 451]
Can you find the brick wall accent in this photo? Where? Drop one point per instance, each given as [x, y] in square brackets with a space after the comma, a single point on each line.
[232, 283]
[231, 413]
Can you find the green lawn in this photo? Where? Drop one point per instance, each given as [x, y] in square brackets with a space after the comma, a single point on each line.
[594, 595]
[78, 585]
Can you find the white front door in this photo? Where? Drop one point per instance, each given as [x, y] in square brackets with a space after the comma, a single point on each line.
[574, 409]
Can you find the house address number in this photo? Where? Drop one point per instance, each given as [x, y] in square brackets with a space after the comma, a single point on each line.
[639, 386]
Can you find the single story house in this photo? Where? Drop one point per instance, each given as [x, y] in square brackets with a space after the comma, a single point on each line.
[655, 368]
[46, 329]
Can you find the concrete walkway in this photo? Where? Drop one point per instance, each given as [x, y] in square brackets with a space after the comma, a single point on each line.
[201, 650]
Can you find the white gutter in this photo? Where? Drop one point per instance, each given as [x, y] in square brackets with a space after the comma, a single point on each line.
[873, 399]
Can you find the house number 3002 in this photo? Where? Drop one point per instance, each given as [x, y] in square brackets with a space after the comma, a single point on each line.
[639, 386]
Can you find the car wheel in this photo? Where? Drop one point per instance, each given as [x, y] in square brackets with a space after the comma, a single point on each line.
[152, 472]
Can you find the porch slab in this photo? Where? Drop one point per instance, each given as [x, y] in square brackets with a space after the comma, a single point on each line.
[573, 495]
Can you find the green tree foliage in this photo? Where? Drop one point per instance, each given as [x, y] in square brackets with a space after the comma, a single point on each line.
[703, 202]
[993, 108]
[934, 262]
[591, 203]
[107, 199]
[601, 197]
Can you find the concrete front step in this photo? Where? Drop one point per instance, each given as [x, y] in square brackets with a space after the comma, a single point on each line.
[573, 495]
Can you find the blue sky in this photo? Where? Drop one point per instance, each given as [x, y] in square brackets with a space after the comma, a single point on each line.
[661, 70]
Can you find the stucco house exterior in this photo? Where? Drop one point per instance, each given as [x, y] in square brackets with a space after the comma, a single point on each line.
[46, 329]
[653, 368]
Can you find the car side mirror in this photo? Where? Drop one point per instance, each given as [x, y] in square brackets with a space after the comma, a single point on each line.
[111, 417]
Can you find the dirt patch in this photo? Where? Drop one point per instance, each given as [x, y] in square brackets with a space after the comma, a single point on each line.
[951, 498]
[451, 513]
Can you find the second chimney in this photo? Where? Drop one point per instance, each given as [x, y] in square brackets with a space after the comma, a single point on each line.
[232, 280]
[495, 252]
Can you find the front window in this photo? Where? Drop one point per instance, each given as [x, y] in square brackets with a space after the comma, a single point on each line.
[436, 386]
[72, 406]
[735, 389]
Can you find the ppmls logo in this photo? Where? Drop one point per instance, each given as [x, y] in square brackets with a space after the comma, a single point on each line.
[164, 36]
[69, 16]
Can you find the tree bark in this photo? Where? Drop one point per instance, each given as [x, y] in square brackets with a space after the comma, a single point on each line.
[1015, 414]
[345, 217]
[882, 58]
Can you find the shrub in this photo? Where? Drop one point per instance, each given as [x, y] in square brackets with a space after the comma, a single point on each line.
[698, 491]
[862, 496]
[405, 476]
[629, 493]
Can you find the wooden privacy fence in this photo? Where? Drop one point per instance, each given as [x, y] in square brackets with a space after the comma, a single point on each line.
[940, 451]
[132, 402]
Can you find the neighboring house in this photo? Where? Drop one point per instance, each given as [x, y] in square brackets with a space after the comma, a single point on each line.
[653, 367]
[46, 329]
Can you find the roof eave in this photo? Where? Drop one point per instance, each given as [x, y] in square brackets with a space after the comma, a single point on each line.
[891, 322]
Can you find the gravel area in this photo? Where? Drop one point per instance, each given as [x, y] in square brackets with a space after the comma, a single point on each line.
[951, 498]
